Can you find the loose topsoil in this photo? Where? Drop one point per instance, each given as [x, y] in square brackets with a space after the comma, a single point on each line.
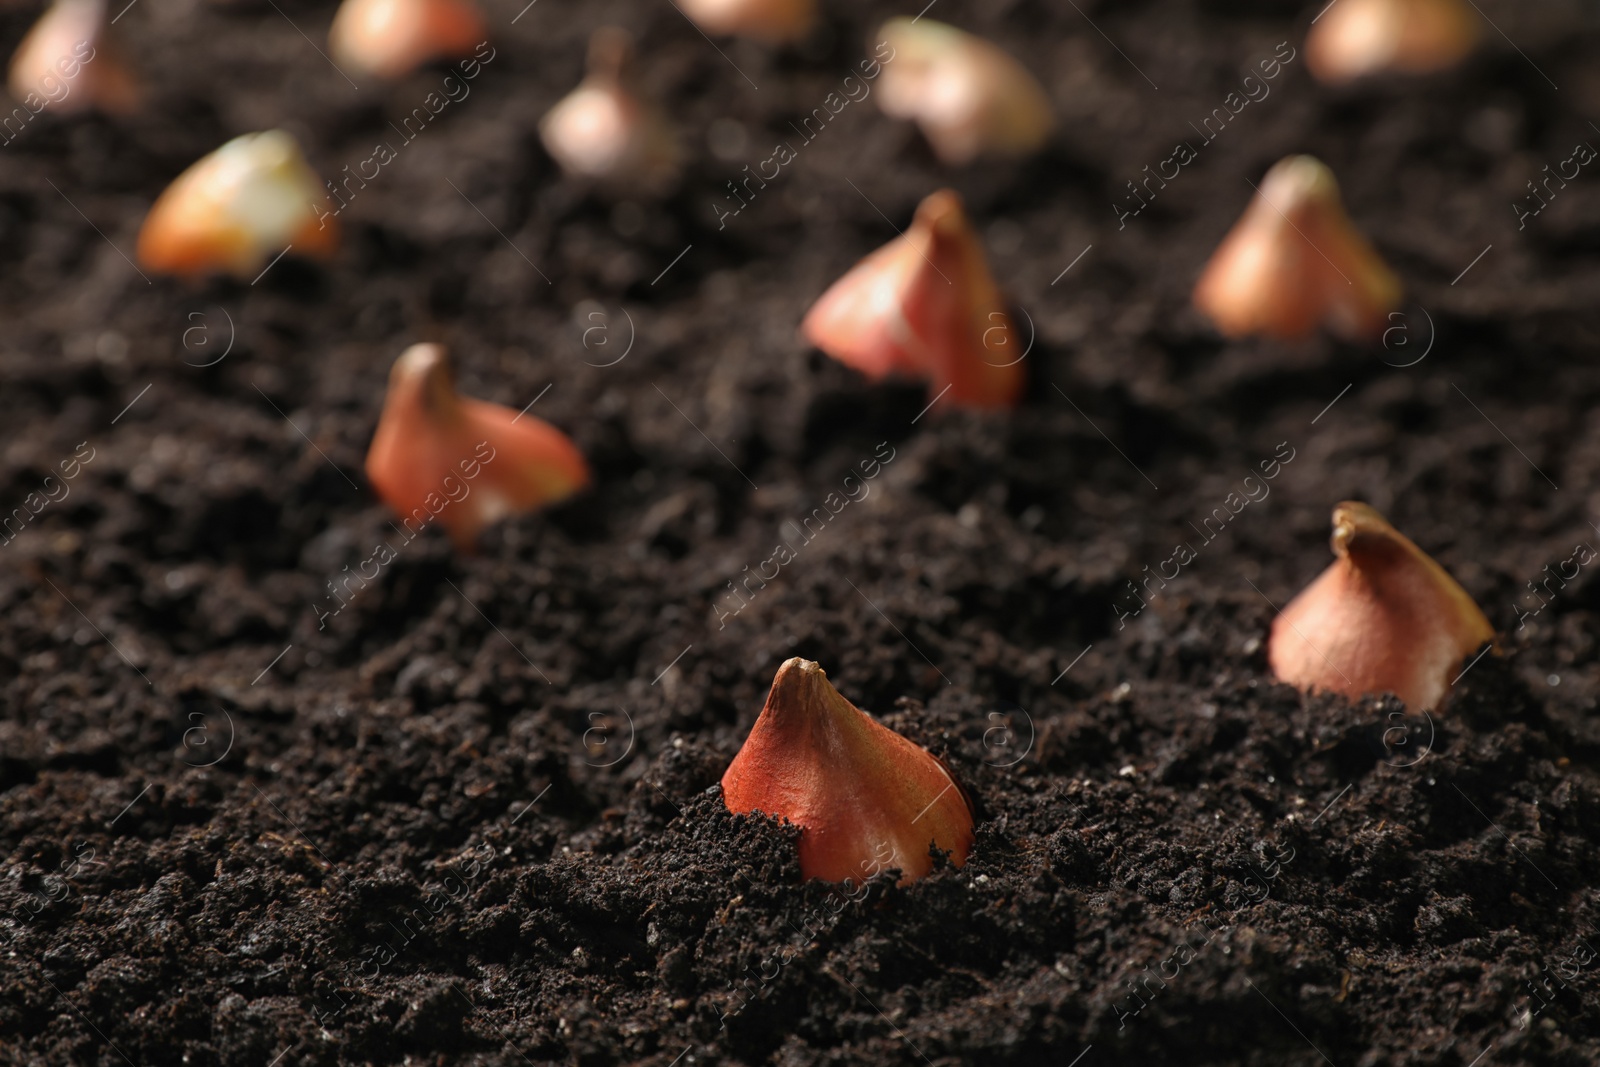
[473, 817]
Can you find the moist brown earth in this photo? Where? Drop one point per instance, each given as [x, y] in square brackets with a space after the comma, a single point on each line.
[473, 817]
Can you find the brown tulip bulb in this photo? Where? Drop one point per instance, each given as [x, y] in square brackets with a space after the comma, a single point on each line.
[391, 38]
[1295, 261]
[236, 209]
[865, 798]
[969, 97]
[1384, 618]
[1357, 38]
[605, 131]
[466, 462]
[925, 306]
[68, 64]
[771, 21]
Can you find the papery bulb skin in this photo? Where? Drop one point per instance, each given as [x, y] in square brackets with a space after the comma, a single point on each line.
[1384, 618]
[466, 463]
[925, 306]
[389, 39]
[68, 63]
[770, 21]
[864, 797]
[236, 209]
[605, 132]
[1295, 261]
[1358, 38]
[970, 98]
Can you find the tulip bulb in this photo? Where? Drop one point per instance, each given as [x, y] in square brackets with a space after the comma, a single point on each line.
[925, 306]
[1384, 618]
[66, 63]
[1295, 261]
[772, 21]
[968, 96]
[236, 209]
[602, 130]
[391, 38]
[466, 462]
[1357, 38]
[865, 798]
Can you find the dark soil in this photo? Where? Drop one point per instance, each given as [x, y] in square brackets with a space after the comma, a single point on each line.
[475, 818]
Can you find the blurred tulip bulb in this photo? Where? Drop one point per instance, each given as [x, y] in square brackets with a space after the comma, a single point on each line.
[772, 21]
[925, 306]
[236, 209]
[391, 38]
[602, 130]
[1295, 261]
[468, 463]
[968, 96]
[66, 64]
[1357, 38]
[865, 798]
[1384, 618]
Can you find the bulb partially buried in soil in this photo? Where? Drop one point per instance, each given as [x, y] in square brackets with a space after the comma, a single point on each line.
[925, 306]
[1358, 38]
[235, 209]
[603, 130]
[66, 64]
[1295, 261]
[392, 38]
[1384, 618]
[771, 21]
[865, 798]
[969, 97]
[467, 463]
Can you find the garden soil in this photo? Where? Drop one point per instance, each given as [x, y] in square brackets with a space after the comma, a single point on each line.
[469, 812]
